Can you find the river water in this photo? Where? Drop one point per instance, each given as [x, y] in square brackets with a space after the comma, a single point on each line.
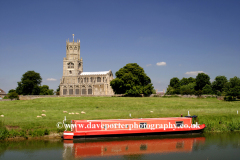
[205, 146]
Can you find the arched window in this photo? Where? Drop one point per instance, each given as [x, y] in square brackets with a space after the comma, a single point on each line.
[70, 65]
[98, 79]
[84, 90]
[89, 89]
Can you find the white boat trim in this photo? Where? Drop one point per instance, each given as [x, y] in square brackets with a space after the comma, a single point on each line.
[68, 133]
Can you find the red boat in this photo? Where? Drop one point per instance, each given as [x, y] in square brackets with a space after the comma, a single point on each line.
[129, 147]
[129, 127]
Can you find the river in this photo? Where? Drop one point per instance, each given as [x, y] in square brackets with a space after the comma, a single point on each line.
[205, 146]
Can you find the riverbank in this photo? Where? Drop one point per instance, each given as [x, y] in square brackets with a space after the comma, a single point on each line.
[20, 117]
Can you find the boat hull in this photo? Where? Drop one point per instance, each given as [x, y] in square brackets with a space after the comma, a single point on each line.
[168, 127]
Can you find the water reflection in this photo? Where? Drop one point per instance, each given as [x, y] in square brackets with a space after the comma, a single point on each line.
[213, 146]
[136, 147]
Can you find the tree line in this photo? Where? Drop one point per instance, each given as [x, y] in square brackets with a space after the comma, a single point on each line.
[202, 85]
[30, 84]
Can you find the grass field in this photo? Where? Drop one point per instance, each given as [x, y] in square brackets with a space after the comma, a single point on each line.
[217, 115]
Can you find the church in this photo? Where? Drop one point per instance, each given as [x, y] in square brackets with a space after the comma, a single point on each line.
[76, 82]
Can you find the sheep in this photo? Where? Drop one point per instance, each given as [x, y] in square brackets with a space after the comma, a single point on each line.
[43, 111]
[64, 111]
[39, 116]
[77, 113]
[69, 113]
[72, 113]
[151, 111]
[2, 115]
[44, 115]
[83, 112]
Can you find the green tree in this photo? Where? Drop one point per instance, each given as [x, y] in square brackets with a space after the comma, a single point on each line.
[44, 90]
[232, 88]
[131, 80]
[191, 80]
[184, 81]
[235, 81]
[13, 95]
[219, 83]
[29, 83]
[198, 93]
[187, 89]
[175, 84]
[201, 80]
[11, 90]
[234, 92]
[170, 91]
[58, 91]
[207, 89]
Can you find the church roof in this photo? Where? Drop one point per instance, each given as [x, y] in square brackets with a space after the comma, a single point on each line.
[94, 73]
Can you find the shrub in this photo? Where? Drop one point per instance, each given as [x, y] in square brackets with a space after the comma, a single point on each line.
[3, 133]
[198, 93]
[13, 95]
[229, 98]
[46, 132]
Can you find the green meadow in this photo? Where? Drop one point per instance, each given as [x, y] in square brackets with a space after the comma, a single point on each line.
[22, 115]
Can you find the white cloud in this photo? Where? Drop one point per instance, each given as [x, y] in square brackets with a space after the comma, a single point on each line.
[148, 65]
[51, 79]
[161, 64]
[194, 73]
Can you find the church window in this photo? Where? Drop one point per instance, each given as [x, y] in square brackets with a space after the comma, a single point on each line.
[89, 90]
[91, 79]
[79, 65]
[70, 91]
[64, 91]
[98, 79]
[77, 91]
[70, 65]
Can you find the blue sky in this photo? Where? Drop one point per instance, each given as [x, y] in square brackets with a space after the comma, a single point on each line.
[168, 38]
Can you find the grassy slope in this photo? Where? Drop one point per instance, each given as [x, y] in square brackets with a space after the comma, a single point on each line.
[210, 110]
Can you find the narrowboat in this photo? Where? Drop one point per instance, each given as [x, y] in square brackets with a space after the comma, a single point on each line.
[132, 127]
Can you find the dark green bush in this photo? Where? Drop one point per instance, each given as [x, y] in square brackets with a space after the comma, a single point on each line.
[3, 133]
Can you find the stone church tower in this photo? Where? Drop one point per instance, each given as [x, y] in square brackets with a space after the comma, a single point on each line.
[76, 82]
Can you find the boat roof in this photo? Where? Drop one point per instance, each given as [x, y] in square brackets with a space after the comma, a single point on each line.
[137, 119]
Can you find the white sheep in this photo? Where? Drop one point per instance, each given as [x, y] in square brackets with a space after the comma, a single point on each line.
[69, 113]
[43, 111]
[64, 111]
[83, 112]
[77, 113]
[39, 116]
[44, 115]
[2, 115]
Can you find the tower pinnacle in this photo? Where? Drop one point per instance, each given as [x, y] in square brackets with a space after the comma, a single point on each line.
[73, 37]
